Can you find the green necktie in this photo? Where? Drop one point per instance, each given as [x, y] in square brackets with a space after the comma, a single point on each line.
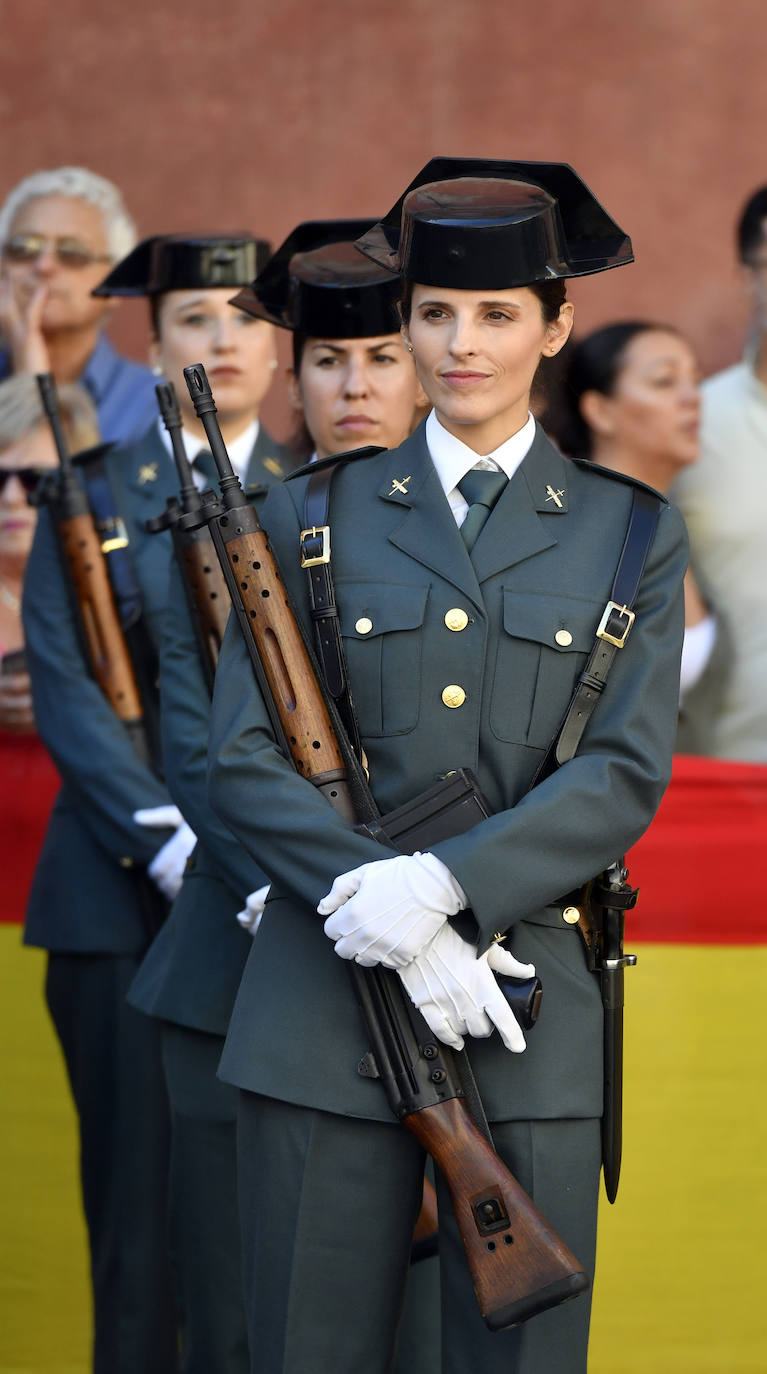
[481, 488]
[204, 462]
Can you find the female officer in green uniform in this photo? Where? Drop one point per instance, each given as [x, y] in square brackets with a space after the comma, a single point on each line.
[462, 651]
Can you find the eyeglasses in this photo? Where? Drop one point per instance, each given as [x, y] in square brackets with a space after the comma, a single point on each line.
[29, 477]
[69, 252]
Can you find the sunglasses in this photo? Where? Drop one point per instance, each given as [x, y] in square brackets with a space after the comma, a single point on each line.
[29, 477]
[69, 252]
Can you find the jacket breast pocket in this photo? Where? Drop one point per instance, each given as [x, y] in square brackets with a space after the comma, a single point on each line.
[381, 629]
[543, 646]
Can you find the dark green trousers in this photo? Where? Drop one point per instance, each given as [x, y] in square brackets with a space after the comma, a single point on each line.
[204, 1221]
[328, 1205]
[112, 1054]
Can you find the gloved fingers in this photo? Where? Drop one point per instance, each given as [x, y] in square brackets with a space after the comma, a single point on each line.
[501, 960]
[256, 901]
[249, 921]
[478, 1023]
[344, 887]
[437, 1020]
[503, 1019]
[159, 817]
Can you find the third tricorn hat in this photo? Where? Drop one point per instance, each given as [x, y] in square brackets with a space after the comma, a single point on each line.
[478, 224]
[318, 284]
[181, 262]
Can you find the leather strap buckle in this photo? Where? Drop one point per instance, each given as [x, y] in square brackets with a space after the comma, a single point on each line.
[614, 609]
[314, 546]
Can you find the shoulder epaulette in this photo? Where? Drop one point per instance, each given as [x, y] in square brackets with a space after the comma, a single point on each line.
[586, 465]
[335, 458]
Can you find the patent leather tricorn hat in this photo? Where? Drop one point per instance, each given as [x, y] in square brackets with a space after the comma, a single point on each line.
[181, 262]
[477, 224]
[318, 284]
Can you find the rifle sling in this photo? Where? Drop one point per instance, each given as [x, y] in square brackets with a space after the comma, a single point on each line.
[315, 558]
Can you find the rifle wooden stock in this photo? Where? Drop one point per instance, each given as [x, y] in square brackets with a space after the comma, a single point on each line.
[109, 659]
[207, 594]
[518, 1264]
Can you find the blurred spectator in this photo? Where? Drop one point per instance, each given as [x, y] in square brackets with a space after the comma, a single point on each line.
[29, 780]
[630, 401]
[723, 500]
[58, 229]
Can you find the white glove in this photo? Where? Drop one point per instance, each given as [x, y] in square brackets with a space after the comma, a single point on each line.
[250, 917]
[457, 994]
[167, 866]
[385, 912]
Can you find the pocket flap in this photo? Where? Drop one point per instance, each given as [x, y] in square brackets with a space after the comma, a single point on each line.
[565, 623]
[368, 609]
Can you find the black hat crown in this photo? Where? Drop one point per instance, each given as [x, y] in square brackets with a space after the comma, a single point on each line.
[318, 284]
[180, 262]
[482, 223]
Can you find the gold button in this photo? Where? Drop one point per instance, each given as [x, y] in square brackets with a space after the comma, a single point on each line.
[572, 915]
[363, 626]
[564, 638]
[453, 695]
[125, 862]
[456, 619]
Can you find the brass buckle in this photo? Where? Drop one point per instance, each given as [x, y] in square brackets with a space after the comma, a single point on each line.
[602, 627]
[309, 560]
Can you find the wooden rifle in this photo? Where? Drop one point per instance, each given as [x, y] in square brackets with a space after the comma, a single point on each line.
[85, 565]
[206, 592]
[518, 1264]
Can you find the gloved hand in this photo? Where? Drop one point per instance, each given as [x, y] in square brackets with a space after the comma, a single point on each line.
[386, 911]
[167, 866]
[457, 994]
[250, 917]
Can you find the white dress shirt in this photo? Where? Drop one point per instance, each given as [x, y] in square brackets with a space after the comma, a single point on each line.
[453, 459]
[239, 450]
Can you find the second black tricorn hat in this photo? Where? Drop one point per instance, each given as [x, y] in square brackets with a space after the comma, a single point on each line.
[180, 262]
[481, 223]
[318, 284]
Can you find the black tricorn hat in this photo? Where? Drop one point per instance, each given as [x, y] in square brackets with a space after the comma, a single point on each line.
[318, 284]
[180, 262]
[479, 223]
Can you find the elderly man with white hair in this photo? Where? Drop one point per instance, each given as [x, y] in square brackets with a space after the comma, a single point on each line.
[58, 231]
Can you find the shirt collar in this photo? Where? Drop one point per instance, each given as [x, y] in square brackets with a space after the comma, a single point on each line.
[453, 459]
[239, 449]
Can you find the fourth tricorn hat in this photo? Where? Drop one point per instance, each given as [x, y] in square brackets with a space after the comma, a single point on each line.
[183, 262]
[478, 224]
[318, 284]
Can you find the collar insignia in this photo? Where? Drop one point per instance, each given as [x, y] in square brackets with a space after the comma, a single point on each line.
[273, 466]
[400, 484]
[147, 473]
[554, 496]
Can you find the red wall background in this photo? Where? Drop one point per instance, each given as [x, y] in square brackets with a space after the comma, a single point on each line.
[258, 113]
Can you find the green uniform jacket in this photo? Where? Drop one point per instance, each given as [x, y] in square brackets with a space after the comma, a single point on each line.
[542, 564]
[87, 891]
[191, 972]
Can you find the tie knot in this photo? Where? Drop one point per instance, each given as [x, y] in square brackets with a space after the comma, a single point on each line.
[205, 463]
[482, 486]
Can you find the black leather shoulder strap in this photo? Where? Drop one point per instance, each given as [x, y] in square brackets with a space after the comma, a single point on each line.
[613, 629]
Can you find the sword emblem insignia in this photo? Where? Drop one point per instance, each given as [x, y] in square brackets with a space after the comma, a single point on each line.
[400, 484]
[554, 496]
[147, 473]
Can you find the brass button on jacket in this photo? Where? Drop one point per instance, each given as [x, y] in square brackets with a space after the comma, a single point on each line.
[563, 638]
[363, 625]
[453, 695]
[571, 915]
[456, 619]
[126, 862]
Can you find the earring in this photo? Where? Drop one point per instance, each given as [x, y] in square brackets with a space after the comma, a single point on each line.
[409, 347]
[273, 363]
[157, 370]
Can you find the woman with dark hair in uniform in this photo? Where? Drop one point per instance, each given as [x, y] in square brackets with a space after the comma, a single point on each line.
[464, 641]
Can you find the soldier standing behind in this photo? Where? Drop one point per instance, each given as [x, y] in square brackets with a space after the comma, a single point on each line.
[190, 975]
[102, 872]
